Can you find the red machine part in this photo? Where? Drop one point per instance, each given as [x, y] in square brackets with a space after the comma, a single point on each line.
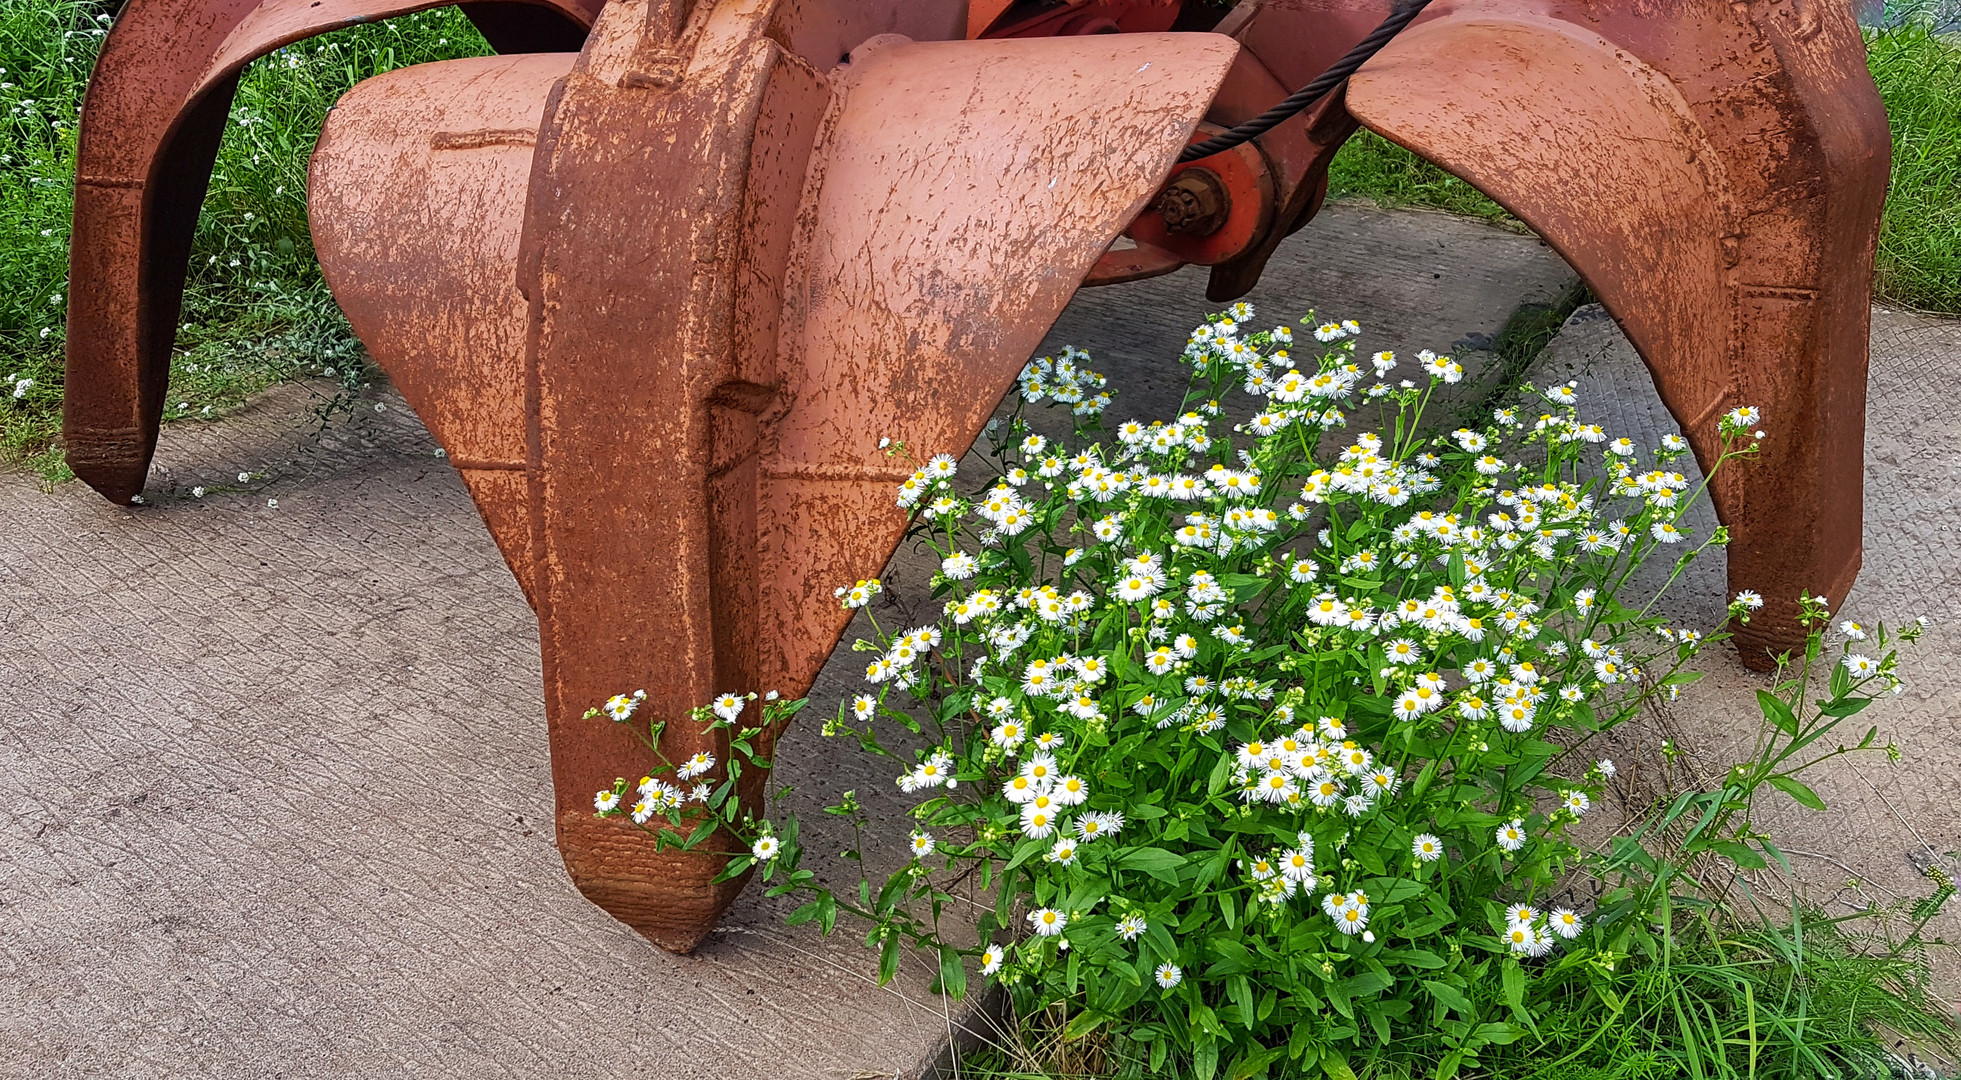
[1212, 210]
[659, 300]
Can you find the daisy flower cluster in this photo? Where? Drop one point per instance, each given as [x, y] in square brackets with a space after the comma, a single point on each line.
[1279, 692]
[682, 790]
[1282, 621]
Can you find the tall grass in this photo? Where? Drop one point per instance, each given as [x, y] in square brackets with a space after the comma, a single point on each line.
[1919, 76]
[1804, 997]
[255, 309]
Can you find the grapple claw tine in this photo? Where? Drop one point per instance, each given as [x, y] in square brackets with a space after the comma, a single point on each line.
[150, 130]
[1735, 246]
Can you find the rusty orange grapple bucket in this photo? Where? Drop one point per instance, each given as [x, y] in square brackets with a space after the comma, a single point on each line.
[660, 275]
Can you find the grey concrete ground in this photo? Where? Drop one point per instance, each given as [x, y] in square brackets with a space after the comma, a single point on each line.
[273, 789]
[1887, 821]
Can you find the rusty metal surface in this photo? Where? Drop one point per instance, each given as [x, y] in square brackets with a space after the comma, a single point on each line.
[1717, 178]
[151, 123]
[724, 508]
[428, 277]
[692, 544]
[661, 300]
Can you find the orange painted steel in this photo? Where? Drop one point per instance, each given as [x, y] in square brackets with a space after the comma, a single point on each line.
[660, 298]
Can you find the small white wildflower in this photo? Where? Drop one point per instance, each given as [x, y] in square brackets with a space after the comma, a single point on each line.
[1048, 922]
[1511, 835]
[1426, 847]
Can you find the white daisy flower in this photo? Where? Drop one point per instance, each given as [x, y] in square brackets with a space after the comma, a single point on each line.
[765, 848]
[1511, 835]
[959, 566]
[1426, 847]
[1008, 736]
[991, 958]
[1048, 922]
[1169, 975]
[1037, 824]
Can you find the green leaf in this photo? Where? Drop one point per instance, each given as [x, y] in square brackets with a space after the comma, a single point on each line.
[1155, 861]
[1205, 1059]
[1514, 977]
[1451, 998]
[1085, 1022]
[1368, 984]
[1255, 1063]
[702, 832]
[1336, 1066]
[1241, 993]
[1740, 854]
[1845, 707]
[1418, 958]
[888, 958]
[1221, 775]
[1796, 789]
[953, 973]
[1498, 1034]
[1778, 713]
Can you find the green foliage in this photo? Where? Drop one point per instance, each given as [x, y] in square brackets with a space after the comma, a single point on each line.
[255, 310]
[1260, 752]
[1801, 999]
[1919, 76]
[1369, 166]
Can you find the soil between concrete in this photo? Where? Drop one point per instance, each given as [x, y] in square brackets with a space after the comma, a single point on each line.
[274, 777]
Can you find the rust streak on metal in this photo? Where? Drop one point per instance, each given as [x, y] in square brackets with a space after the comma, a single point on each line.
[477, 140]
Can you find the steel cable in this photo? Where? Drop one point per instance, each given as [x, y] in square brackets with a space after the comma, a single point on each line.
[1312, 92]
